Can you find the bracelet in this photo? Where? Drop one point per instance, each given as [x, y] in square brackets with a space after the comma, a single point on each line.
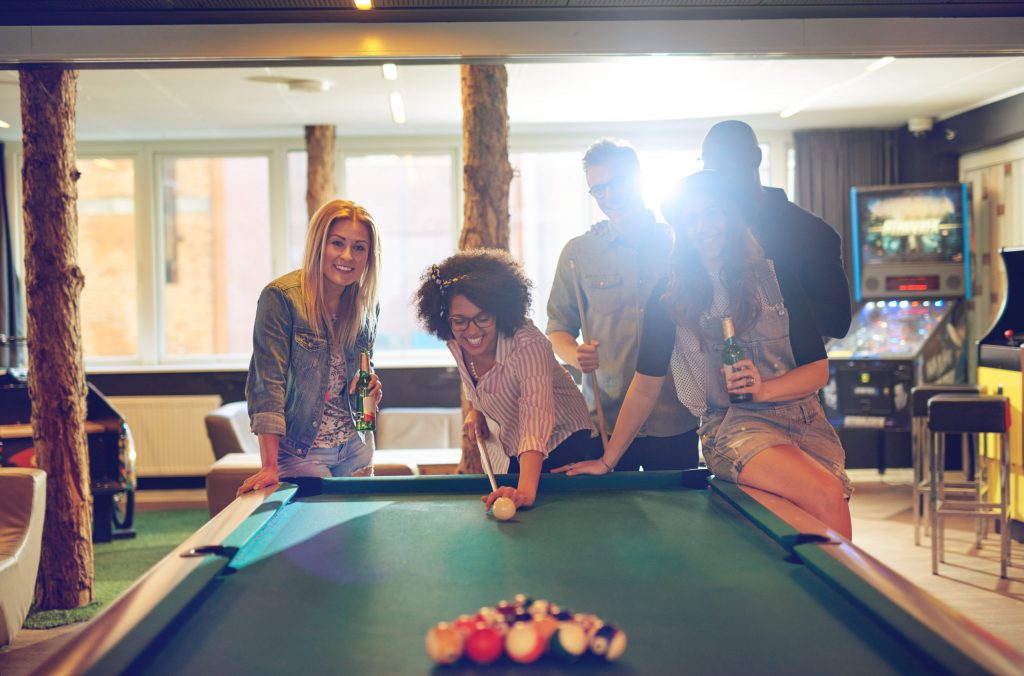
[610, 469]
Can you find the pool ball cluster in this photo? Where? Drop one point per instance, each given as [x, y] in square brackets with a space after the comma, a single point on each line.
[524, 630]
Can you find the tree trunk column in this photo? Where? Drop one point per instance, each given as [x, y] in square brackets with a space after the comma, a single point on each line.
[319, 167]
[56, 375]
[486, 174]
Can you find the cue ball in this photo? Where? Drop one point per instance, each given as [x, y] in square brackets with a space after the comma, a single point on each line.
[503, 509]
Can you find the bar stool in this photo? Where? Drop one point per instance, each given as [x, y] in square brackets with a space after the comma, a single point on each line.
[919, 397]
[980, 416]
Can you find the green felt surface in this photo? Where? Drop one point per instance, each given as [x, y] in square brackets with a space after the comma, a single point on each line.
[350, 583]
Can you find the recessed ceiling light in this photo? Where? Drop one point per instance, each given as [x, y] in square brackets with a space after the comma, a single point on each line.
[389, 71]
[397, 108]
[364, 4]
[880, 63]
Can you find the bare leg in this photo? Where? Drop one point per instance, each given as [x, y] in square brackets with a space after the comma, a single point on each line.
[787, 471]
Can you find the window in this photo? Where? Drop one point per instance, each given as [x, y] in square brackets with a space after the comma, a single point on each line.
[412, 200]
[216, 233]
[106, 254]
[298, 220]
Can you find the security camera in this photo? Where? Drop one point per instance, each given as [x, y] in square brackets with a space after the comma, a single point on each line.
[919, 126]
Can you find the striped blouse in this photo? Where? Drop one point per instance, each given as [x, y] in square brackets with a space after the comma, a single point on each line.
[534, 400]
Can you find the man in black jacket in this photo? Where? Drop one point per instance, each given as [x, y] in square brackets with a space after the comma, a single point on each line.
[789, 235]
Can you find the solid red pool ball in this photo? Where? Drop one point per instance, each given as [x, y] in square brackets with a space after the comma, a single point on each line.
[523, 643]
[466, 624]
[444, 644]
[484, 645]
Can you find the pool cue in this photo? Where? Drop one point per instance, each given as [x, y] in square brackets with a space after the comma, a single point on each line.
[602, 425]
[486, 462]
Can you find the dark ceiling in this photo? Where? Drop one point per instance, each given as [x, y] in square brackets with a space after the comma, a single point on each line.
[120, 12]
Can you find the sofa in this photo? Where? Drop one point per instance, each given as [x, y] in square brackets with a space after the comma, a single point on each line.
[408, 441]
[22, 508]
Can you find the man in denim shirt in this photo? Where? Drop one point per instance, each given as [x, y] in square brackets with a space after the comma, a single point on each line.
[618, 262]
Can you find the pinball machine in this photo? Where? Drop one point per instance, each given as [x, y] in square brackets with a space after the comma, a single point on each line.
[911, 273]
[111, 452]
[999, 372]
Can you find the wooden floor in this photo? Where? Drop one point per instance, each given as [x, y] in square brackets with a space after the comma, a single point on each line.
[882, 525]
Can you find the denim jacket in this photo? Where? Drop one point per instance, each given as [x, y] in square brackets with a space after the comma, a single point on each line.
[288, 374]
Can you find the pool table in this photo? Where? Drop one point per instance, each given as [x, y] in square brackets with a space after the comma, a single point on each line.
[347, 575]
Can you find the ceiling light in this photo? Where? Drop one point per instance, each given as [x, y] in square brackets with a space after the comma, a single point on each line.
[814, 98]
[389, 71]
[880, 63]
[5, 125]
[364, 4]
[397, 108]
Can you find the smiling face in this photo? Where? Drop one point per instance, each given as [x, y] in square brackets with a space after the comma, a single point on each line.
[465, 318]
[345, 254]
[703, 224]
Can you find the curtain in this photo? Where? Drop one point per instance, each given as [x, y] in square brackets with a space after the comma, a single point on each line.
[831, 161]
[12, 311]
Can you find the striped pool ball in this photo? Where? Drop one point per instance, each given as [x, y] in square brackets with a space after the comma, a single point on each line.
[546, 626]
[484, 645]
[523, 643]
[444, 643]
[608, 642]
[569, 641]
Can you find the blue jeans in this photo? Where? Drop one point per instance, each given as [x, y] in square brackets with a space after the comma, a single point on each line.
[341, 460]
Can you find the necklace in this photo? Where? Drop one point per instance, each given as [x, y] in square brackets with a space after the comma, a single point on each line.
[472, 370]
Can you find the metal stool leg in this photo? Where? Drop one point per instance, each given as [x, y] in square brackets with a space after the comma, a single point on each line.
[915, 452]
[1004, 504]
[933, 499]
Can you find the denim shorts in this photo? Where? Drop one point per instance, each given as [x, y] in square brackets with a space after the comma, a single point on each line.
[729, 439]
[344, 460]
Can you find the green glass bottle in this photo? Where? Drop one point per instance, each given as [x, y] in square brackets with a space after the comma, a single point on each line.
[732, 353]
[366, 405]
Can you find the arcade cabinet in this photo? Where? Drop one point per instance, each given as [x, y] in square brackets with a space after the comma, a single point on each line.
[111, 452]
[910, 273]
[999, 372]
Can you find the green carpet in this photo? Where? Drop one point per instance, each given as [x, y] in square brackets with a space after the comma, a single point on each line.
[120, 563]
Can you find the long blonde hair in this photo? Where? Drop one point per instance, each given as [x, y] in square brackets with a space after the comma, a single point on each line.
[357, 308]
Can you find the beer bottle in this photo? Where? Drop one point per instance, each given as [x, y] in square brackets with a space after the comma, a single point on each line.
[732, 353]
[366, 405]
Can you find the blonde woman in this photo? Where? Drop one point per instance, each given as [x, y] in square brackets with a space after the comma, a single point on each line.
[311, 325]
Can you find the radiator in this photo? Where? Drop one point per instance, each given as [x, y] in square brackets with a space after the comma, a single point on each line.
[170, 433]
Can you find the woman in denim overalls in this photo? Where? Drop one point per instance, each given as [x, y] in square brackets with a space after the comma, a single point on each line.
[311, 325]
[780, 441]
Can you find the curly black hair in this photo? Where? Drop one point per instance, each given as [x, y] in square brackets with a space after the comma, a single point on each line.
[490, 278]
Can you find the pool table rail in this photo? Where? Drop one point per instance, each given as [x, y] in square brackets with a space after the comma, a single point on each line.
[141, 612]
[908, 609]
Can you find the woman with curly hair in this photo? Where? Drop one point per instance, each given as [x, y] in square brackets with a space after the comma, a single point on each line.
[478, 302]
[776, 438]
[311, 326]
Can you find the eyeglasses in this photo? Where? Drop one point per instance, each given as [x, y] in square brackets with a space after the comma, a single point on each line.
[483, 320]
[614, 184]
